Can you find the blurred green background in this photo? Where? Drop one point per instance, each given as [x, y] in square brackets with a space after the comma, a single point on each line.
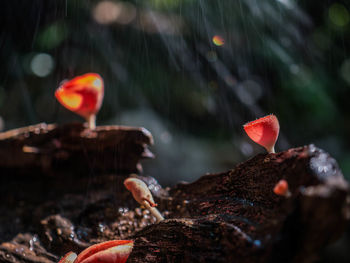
[191, 71]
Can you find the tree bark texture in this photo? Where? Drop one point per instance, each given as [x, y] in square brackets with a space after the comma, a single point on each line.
[50, 149]
[54, 204]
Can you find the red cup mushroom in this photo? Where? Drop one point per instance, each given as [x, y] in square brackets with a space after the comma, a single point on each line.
[143, 196]
[83, 95]
[114, 251]
[264, 131]
[282, 188]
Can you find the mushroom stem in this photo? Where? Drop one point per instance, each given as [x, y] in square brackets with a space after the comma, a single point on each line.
[154, 211]
[91, 120]
[271, 150]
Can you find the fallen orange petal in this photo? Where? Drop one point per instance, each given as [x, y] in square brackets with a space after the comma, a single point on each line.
[264, 131]
[82, 95]
[114, 251]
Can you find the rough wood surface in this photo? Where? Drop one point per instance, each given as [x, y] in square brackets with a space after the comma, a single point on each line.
[236, 217]
[232, 216]
[50, 149]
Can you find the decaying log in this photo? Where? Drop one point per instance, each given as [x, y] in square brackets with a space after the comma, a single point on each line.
[50, 149]
[236, 217]
[232, 216]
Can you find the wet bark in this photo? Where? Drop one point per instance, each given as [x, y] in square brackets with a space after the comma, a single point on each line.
[232, 216]
[72, 148]
[236, 217]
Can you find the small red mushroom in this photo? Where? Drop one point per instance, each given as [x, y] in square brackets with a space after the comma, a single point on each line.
[114, 251]
[264, 131]
[83, 95]
[143, 196]
[282, 188]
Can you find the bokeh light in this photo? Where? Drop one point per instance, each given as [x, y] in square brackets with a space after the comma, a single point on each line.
[108, 12]
[218, 40]
[52, 36]
[42, 65]
[339, 15]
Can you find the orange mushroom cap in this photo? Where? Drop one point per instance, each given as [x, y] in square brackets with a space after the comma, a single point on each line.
[264, 131]
[114, 251]
[281, 188]
[82, 95]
